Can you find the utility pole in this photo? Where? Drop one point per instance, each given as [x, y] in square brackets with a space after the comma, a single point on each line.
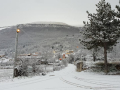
[15, 59]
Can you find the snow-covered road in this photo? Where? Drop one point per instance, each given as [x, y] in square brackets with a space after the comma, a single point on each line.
[66, 79]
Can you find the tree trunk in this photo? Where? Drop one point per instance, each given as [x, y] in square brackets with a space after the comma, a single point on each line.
[94, 57]
[94, 54]
[105, 58]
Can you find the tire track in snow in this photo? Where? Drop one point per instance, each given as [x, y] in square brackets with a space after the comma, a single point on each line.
[94, 82]
[88, 87]
[75, 84]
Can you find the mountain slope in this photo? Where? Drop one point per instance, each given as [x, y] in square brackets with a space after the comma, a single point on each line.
[35, 33]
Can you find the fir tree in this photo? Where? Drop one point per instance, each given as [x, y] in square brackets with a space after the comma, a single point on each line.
[101, 30]
[117, 14]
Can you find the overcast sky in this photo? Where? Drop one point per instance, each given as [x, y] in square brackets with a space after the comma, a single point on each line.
[72, 12]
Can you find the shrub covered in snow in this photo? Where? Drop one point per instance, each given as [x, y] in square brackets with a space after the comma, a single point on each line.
[112, 67]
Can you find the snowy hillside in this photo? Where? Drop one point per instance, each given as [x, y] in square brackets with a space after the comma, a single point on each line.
[33, 33]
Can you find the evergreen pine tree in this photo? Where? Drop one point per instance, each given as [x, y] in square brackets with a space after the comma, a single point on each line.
[101, 30]
[117, 14]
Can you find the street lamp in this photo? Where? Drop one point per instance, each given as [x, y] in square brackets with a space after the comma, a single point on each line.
[15, 59]
[18, 30]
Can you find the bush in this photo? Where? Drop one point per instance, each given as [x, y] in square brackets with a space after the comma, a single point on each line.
[71, 58]
[112, 67]
[64, 62]
[56, 68]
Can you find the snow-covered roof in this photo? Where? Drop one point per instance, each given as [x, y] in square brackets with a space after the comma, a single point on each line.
[3, 60]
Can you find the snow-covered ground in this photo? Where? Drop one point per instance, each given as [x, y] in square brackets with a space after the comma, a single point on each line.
[65, 79]
[5, 74]
[3, 60]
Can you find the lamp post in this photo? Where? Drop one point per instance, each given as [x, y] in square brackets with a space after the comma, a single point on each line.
[15, 59]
